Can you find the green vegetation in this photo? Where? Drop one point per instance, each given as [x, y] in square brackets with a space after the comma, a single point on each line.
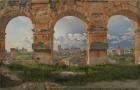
[40, 73]
[24, 56]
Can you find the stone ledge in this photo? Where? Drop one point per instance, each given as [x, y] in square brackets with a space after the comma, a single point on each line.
[98, 46]
[40, 47]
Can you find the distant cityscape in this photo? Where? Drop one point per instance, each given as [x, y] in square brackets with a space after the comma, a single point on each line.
[18, 54]
[120, 51]
[70, 56]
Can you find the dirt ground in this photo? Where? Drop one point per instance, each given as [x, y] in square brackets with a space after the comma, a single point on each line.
[103, 85]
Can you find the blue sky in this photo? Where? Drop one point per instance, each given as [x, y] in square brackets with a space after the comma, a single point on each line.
[120, 32]
[69, 31]
[19, 33]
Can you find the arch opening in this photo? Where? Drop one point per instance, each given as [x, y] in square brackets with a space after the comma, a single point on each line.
[121, 40]
[19, 39]
[69, 45]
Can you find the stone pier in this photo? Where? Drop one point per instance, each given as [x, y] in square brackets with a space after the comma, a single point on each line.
[97, 47]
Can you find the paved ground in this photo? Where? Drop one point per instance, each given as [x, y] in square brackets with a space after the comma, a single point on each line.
[104, 85]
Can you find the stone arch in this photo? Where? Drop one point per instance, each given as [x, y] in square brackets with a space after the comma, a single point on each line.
[125, 9]
[5, 17]
[8, 15]
[94, 14]
[75, 13]
[133, 14]
[130, 14]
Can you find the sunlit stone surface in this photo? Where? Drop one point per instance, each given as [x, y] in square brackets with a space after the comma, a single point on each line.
[45, 14]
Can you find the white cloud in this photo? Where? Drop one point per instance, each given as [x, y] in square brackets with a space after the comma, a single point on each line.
[70, 36]
[115, 42]
[21, 34]
[26, 31]
[126, 19]
[26, 21]
[130, 29]
[70, 40]
[110, 37]
[78, 37]
[127, 36]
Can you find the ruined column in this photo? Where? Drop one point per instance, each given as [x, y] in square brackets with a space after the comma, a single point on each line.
[97, 46]
[137, 46]
[2, 47]
[42, 46]
[2, 41]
